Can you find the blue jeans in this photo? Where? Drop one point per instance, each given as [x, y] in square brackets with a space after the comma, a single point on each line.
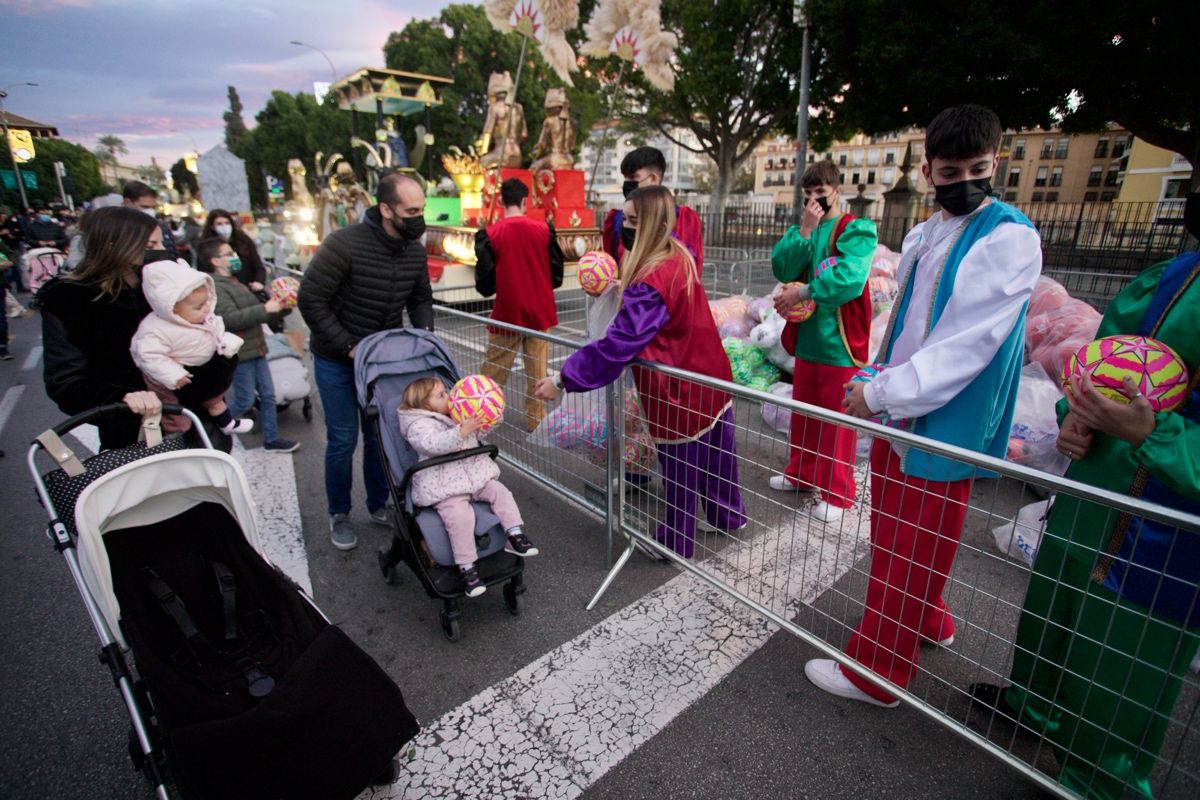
[252, 377]
[335, 383]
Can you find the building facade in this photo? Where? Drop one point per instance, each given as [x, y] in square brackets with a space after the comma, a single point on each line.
[682, 163]
[1152, 174]
[1054, 167]
[870, 161]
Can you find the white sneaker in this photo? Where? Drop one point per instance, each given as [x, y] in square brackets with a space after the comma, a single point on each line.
[781, 483]
[824, 512]
[826, 675]
[238, 426]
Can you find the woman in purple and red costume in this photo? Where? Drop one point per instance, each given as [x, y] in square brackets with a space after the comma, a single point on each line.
[664, 317]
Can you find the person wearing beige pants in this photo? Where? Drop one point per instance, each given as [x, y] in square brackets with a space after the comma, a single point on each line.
[502, 348]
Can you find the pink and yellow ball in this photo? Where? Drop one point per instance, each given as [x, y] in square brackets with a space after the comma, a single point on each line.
[801, 311]
[477, 396]
[1157, 371]
[596, 271]
[285, 289]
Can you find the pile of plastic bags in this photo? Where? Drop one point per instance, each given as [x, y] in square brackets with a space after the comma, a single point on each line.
[1056, 326]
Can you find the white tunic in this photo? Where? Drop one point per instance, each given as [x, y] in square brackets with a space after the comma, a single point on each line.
[993, 283]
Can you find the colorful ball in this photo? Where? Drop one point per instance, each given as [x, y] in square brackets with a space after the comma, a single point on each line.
[596, 272]
[866, 375]
[285, 289]
[801, 311]
[1157, 370]
[477, 396]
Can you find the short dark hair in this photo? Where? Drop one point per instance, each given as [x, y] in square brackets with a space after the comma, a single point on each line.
[821, 173]
[512, 192]
[135, 190]
[388, 191]
[963, 132]
[206, 250]
[643, 158]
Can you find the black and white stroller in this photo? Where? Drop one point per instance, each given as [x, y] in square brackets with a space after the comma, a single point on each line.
[240, 687]
[384, 365]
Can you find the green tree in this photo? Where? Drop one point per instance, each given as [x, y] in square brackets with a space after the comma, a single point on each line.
[235, 127]
[82, 167]
[110, 146]
[735, 81]
[183, 178]
[460, 43]
[291, 126]
[1070, 62]
[705, 177]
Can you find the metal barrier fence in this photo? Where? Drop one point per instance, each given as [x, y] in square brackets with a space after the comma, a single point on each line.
[810, 578]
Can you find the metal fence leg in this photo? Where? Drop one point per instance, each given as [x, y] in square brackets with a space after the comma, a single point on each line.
[614, 396]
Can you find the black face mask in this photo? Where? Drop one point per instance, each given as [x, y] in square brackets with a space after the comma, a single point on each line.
[410, 227]
[1191, 214]
[628, 188]
[150, 256]
[963, 197]
[823, 202]
[628, 235]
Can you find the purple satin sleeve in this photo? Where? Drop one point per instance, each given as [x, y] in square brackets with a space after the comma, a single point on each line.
[641, 316]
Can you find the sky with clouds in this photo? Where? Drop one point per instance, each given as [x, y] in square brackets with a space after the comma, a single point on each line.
[155, 72]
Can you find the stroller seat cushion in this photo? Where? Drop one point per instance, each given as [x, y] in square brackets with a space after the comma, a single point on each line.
[438, 541]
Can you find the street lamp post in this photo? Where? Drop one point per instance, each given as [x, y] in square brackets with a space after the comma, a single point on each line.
[8, 143]
[801, 19]
[332, 69]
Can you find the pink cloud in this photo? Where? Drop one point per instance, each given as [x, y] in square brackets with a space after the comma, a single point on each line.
[34, 7]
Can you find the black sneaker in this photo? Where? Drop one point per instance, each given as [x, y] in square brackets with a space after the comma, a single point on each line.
[5, 355]
[281, 446]
[472, 586]
[519, 545]
[648, 551]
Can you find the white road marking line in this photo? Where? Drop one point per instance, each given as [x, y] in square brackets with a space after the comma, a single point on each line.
[272, 478]
[9, 402]
[31, 360]
[559, 724]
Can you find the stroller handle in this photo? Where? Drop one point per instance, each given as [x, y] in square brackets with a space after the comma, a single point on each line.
[483, 449]
[70, 424]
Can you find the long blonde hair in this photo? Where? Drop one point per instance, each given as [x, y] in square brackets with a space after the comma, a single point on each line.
[654, 244]
[114, 239]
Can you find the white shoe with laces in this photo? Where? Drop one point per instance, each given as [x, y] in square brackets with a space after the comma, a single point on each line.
[826, 674]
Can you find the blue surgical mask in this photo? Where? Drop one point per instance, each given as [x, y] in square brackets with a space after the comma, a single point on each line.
[44, 217]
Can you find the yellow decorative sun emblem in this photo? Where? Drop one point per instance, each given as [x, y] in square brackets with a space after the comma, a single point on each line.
[626, 44]
[527, 19]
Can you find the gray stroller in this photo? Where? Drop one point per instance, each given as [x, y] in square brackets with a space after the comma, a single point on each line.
[384, 365]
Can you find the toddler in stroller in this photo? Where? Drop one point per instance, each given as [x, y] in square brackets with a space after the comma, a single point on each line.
[385, 365]
[425, 422]
[183, 346]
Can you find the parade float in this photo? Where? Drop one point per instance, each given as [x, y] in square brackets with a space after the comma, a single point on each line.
[628, 29]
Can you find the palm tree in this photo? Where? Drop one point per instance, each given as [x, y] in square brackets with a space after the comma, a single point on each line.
[111, 144]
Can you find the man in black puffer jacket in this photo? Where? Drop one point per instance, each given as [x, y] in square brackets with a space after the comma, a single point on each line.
[361, 281]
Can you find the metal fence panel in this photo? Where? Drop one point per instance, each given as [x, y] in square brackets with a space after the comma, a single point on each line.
[812, 578]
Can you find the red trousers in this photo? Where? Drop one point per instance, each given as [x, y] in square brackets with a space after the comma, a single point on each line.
[915, 528]
[822, 454]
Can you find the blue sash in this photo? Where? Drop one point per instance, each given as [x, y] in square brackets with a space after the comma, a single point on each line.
[1157, 565]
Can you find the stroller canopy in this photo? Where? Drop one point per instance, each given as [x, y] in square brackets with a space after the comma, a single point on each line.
[384, 365]
[149, 491]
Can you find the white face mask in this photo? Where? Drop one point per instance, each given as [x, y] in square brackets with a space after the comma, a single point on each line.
[224, 231]
[149, 212]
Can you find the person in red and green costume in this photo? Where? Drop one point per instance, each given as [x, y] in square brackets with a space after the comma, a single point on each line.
[1111, 619]
[831, 344]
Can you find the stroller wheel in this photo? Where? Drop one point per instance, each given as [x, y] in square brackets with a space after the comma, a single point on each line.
[514, 600]
[450, 627]
[307, 409]
[390, 575]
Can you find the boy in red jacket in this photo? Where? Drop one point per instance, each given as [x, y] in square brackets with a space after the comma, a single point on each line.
[518, 260]
[645, 166]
